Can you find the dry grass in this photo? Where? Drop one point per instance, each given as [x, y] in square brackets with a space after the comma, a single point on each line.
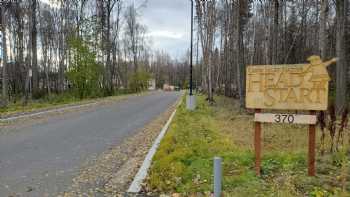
[184, 162]
[276, 137]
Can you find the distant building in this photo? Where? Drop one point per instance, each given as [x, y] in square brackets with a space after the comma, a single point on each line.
[152, 84]
[167, 87]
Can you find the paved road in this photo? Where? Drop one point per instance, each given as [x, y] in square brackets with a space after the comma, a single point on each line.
[44, 157]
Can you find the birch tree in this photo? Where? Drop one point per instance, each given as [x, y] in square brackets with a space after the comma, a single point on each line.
[207, 21]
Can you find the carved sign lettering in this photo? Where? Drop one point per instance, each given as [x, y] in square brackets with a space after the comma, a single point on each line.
[296, 86]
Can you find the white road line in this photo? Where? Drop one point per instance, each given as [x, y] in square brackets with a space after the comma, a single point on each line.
[44, 112]
[135, 186]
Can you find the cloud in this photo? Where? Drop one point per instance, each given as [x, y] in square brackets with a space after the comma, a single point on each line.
[168, 23]
[54, 4]
[165, 34]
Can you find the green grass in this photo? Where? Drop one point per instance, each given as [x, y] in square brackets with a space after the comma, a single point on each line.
[183, 162]
[52, 101]
[55, 100]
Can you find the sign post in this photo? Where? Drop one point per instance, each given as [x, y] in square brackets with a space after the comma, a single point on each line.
[257, 145]
[312, 148]
[288, 87]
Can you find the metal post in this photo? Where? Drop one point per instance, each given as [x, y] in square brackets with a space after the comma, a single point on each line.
[191, 58]
[257, 145]
[217, 176]
[191, 100]
[312, 141]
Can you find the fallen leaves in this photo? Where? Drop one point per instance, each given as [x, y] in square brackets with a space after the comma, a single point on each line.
[111, 173]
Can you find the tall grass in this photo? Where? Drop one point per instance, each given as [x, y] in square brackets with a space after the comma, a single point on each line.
[183, 162]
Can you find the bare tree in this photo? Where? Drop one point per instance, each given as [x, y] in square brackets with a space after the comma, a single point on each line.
[4, 55]
[341, 11]
[106, 29]
[243, 15]
[34, 46]
[47, 37]
[133, 32]
[79, 5]
[323, 28]
[275, 33]
[207, 18]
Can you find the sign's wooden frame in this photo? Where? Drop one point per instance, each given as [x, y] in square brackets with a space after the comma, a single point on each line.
[312, 77]
[311, 141]
[285, 118]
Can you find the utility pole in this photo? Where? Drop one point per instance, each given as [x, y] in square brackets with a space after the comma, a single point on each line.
[191, 58]
[191, 100]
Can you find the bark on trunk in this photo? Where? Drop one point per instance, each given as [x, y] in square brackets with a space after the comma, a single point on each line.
[4, 60]
[240, 53]
[323, 26]
[341, 69]
[34, 49]
[275, 32]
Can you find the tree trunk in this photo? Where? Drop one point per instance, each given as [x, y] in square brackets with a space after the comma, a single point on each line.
[4, 60]
[48, 70]
[107, 45]
[46, 65]
[210, 80]
[206, 12]
[323, 26]
[341, 96]
[20, 45]
[275, 32]
[61, 47]
[232, 57]
[240, 53]
[34, 49]
[210, 39]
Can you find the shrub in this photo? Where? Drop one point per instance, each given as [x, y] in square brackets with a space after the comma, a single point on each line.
[84, 72]
[139, 81]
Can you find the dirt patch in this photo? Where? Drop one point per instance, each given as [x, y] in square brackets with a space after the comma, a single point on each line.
[111, 173]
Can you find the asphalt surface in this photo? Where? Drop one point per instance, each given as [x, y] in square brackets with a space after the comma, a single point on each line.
[42, 159]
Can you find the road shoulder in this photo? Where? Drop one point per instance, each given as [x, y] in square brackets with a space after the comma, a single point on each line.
[111, 172]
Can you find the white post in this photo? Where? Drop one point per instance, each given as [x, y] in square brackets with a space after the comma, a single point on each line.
[191, 102]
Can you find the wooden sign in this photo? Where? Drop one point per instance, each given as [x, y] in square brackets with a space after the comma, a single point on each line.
[288, 87]
[285, 118]
[293, 87]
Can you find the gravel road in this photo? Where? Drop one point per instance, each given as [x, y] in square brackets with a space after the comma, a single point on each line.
[40, 159]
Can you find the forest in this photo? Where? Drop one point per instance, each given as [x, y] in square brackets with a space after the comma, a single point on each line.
[235, 33]
[79, 48]
[93, 48]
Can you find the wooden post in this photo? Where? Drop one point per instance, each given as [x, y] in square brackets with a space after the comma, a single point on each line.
[257, 145]
[312, 148]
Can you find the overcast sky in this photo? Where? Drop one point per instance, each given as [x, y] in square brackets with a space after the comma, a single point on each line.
[168, 24]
